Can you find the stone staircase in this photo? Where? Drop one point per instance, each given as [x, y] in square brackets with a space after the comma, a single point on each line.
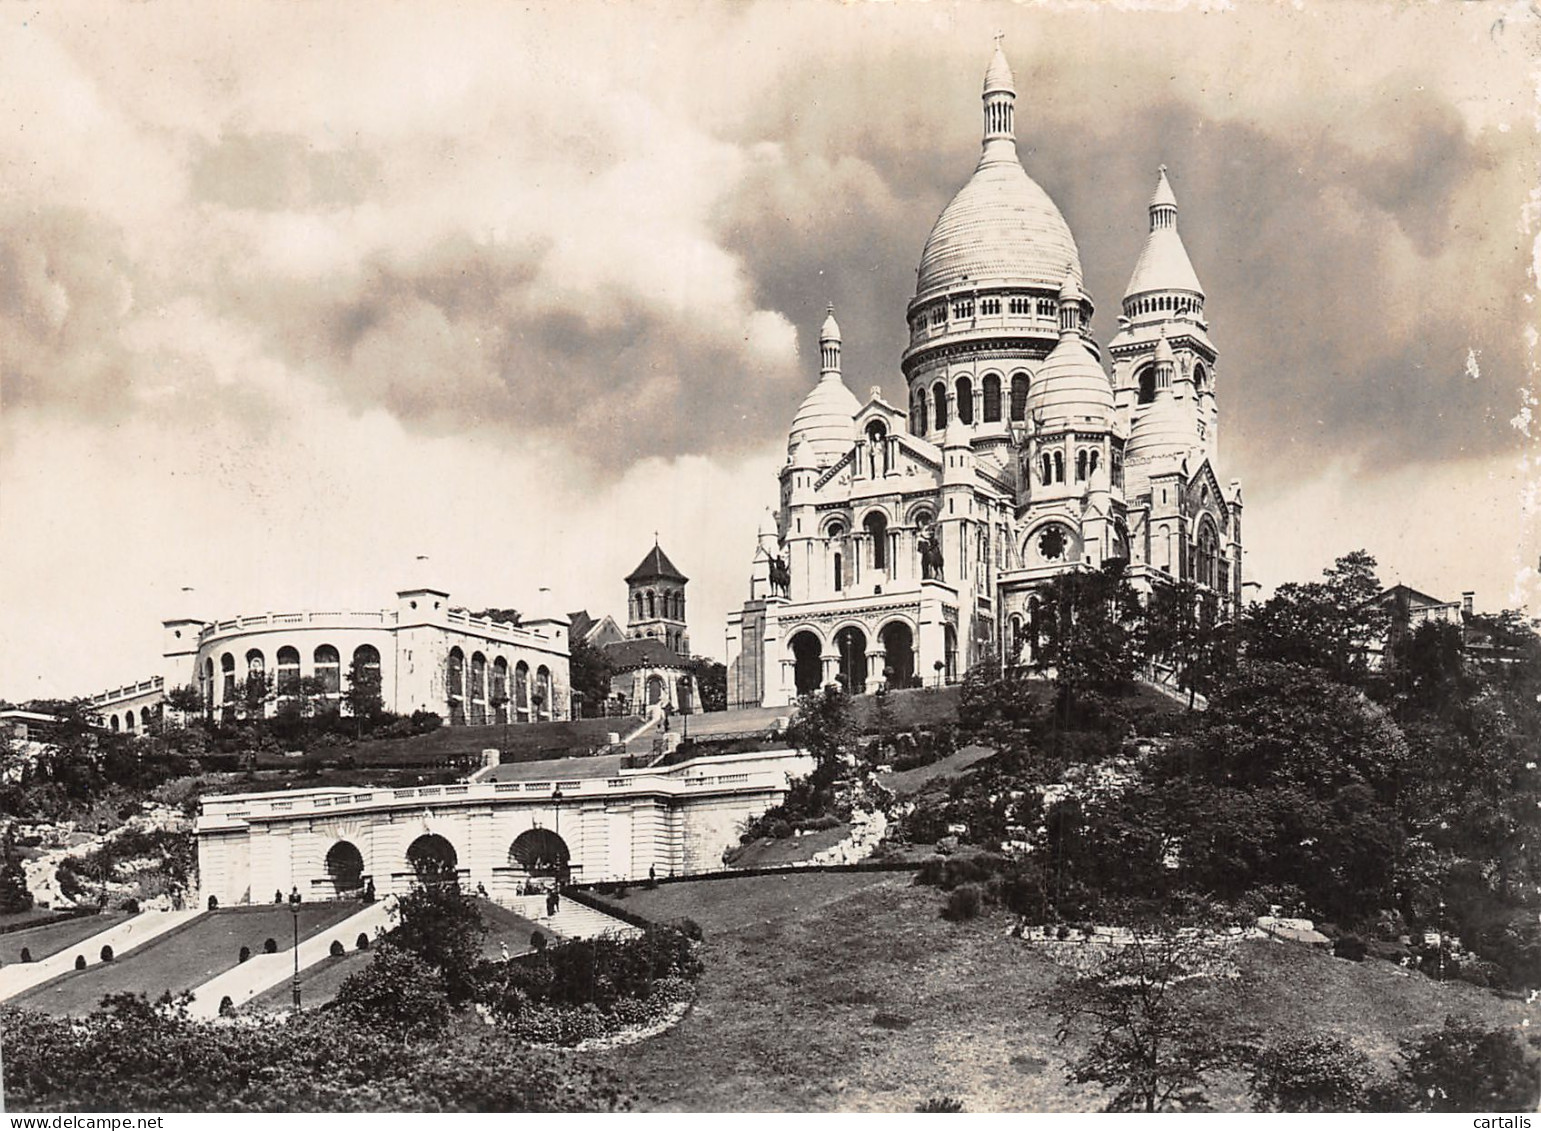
[122, 937]
[263, 971]
[573, 920]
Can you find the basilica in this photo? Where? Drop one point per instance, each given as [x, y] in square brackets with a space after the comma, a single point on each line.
[911, 540]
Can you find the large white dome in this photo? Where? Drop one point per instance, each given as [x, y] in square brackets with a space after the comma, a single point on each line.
[826, 420]
[1001, 227]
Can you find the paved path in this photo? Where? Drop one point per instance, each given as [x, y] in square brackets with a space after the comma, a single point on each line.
[123, 938]
[573, 920]
[263, 971]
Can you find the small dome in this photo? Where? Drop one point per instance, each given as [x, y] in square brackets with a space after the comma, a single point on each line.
[1164, 349]
[1071, 385]
[831, 329]
[1163, 264]
[1068, 291]
[1164, 427]
[826, 420]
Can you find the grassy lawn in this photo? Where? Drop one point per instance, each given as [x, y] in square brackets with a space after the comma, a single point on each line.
[185, 958]
[767, 852]
[43, 941]
[905, 783]
[854, 995]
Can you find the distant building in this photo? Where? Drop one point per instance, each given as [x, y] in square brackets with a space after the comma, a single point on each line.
[429, 654]
[650, 662]
[1408, 609]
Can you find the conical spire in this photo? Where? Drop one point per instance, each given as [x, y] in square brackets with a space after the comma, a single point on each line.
[829, 343]
[1163, 264]
[1000, 97]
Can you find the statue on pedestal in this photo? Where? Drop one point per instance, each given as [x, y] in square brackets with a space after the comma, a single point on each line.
[930, 548]
[780, 577]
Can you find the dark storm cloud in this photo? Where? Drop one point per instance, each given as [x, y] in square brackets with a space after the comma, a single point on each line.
[1337, 339]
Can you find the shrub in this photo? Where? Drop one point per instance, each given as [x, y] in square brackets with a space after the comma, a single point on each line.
[778, 829]
[213, 903]
[362, 942]
[131, 906]
[80, 962]
[941, 1105]
[244, 955]
[226, 1007]
[1309, 1074]
[690, 929]
[1351, 947]
[270, 946]
[964, 902]
[537, 940]
[26, 954]
[337, 950]
[106, 953]
[1463, 1068]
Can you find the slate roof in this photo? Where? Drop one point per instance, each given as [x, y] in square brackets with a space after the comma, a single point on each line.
[656, 564]
[645, 653]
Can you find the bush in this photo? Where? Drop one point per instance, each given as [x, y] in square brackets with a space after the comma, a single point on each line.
[337, 950]
[106, 953]
[537, 940]
[690, 929]
[244, 955]
[965, 902]
[1351, 947]
[362, 942]
[80, 962]
[26, 954]
[131, 906]
[778, 829]
[270, 946]
[941, 1105]
[1464, 1068]
[226, 1006]
[1309, 1074]
[213, 903]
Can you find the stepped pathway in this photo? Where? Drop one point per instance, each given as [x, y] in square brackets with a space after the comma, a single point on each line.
[573, 920]
[263, 971]
[125, 937]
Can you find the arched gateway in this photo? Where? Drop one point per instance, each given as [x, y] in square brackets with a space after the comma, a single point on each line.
[433, 859]
[540, 852]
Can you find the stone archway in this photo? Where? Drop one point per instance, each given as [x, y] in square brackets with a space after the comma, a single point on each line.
[851, 642]
[653, 693]
[345, 866]
[898, 653]
[540, 852]
[433, 859]
[808, 662]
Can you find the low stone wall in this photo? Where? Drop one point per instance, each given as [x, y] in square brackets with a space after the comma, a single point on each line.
[1084, 952]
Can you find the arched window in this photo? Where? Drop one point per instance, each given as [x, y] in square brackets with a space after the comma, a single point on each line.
[992, 398]
[877, 530]
[877, 432]
[456, 673]
[1080, 466]
[128, 721]
[366, 658]
[288, 670]
[652, 610]
[206, 680]
[227, 678]
[115, 724]
[522, 691]
[499, 696]
[1200, 378]
[478, 688]
[328, 669]
[256, 666]
[920, 413]
[1019, 396]
[965, 400]
[1059, 467]
[144, 718]
[839, 573]
[1147, 385]
[939, 406]
[542, 697]
[1048, 468]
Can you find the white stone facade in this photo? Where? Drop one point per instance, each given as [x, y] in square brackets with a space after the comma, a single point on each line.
[910, 542]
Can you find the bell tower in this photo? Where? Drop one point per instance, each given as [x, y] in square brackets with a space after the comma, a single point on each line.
[655, 602]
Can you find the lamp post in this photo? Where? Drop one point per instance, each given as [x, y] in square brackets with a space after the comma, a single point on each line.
[556, 804]
[294, 911]
[500, 705]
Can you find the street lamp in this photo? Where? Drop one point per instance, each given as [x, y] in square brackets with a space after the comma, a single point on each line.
[556, 804]
[294, 911]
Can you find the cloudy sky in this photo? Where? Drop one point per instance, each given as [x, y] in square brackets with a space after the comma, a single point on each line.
[291, 294]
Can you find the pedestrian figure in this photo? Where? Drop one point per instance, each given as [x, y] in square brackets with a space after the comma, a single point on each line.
[505, 952]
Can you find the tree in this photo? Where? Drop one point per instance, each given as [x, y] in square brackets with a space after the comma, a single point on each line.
[1183, 630]
[712, 681]
[398, 993]
[15, 896]
[1089, 639]
[1330, 624]
[589, 672]
[1464, 1068]
[1153, 1048]
[1303, 1073]
[825, 726]
[185, 700]
[363, 692]
[442, 926]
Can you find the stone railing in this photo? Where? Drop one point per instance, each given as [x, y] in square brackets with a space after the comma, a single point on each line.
[333, 619]
[128, 691]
